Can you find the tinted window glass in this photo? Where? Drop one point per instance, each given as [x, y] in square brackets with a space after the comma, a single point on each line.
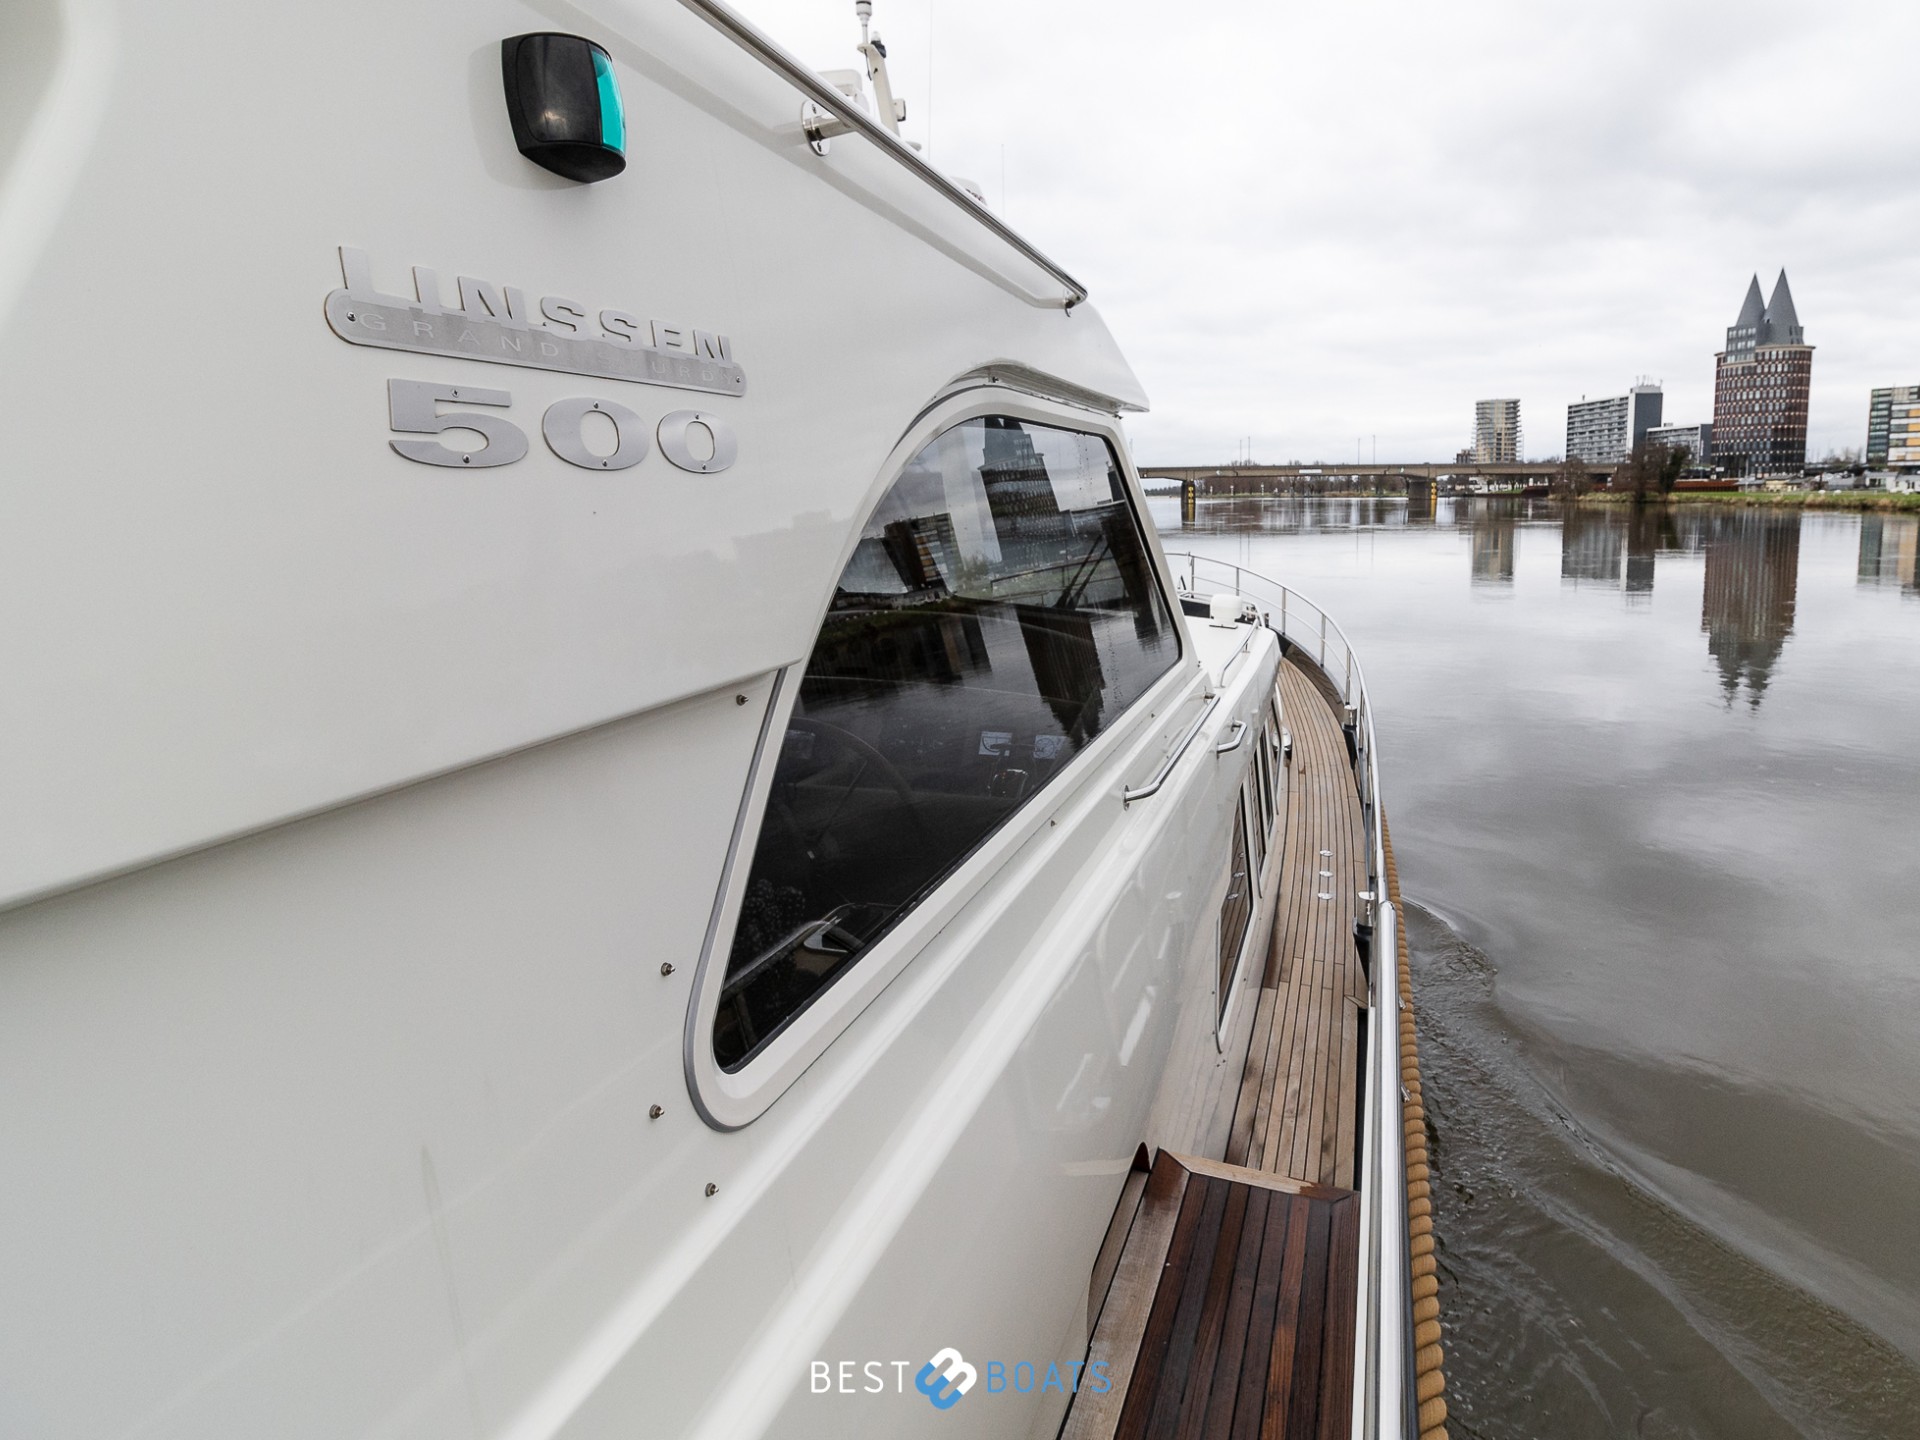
[1256, 782]
[1236, 909]
[998, 613]
[1263, 794]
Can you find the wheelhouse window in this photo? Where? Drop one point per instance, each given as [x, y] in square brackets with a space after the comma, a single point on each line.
[998, 613]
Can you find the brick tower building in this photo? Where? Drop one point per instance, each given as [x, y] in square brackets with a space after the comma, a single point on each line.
[1760, 387]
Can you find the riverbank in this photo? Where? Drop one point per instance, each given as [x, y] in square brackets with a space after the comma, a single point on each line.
[1777, 499]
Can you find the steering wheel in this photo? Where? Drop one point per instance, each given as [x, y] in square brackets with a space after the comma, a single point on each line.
[870, 759]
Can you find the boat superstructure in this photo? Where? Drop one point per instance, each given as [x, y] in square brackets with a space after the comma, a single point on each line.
[617, 823]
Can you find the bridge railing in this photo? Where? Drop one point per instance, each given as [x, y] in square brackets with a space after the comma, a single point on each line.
[1383, 1400]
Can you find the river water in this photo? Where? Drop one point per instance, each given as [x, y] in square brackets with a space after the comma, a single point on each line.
[1654, 786]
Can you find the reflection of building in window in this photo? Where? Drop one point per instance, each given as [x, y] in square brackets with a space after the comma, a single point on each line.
[1018, 490]
[1753, 569]
[998, 611]
[1890, 550]
[924, 645]
[1066, 666]
[1492, 540]
[923, 552]
[1590, 547]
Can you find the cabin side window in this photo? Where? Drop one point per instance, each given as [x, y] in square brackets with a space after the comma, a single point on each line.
[1263, 789]
[1236, 909]
[1276, 762]
[998, 613]
[1255, 786]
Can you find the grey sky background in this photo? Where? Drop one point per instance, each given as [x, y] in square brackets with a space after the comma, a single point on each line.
[1334, 226]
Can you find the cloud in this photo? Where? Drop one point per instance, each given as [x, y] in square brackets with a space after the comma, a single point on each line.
[1321, 224]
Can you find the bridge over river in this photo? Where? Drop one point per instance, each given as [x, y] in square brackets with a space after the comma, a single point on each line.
[1309, 479]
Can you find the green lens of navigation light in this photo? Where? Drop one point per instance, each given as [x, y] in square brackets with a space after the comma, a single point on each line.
[564, 101]
[613, 110]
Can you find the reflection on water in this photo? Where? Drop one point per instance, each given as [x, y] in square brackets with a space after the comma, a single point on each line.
[1753, 567]
[1579, 1305]
[1591, 545]
[1492, 533]
[1752, 556]
[1674, 1087]
[1890, 551]
[1649, 530]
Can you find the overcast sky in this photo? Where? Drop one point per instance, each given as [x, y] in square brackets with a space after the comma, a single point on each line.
[1318, 225]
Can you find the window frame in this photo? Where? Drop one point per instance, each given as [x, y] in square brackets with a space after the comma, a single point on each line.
[1259, 832]
[1227, 971]
[729, 1100]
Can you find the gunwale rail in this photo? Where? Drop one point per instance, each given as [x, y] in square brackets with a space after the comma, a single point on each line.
[771, 55]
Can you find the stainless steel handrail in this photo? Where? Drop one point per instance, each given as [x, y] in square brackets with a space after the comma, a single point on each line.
[844, 110]
[1152, 787]
[1239, 729]
[1383, 1391]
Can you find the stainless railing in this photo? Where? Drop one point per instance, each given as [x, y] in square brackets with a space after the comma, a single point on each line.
[1152, 787]
[1383, 1392]
[855, 119]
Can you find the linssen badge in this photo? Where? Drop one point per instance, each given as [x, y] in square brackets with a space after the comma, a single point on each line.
[496, 323]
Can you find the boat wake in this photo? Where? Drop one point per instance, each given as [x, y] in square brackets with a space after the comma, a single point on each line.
[1576, 1302]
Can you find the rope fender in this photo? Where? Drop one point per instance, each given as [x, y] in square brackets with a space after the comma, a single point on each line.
[1429, 1383]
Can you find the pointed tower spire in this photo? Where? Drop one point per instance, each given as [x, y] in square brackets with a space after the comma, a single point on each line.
[1782, 324]
[1744, 333]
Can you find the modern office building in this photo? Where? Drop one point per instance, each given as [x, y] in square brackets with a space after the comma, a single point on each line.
[1893, 428]
[1496, 432]
[1697, 440]
[1760, 386]
[1604, 431]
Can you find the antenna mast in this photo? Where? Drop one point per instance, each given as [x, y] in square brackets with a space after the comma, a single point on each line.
[874, 51]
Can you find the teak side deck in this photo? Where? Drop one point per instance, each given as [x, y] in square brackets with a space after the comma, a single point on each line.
[1229, 1314]
[1299, 1094]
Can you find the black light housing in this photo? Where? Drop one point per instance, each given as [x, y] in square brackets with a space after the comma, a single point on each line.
[564, 101]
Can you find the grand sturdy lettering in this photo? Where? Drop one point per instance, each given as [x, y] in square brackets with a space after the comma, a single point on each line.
[500, 325]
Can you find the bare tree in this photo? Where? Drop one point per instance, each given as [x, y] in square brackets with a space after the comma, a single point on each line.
[1572, 478]
[1649, 469]
[1671, 460]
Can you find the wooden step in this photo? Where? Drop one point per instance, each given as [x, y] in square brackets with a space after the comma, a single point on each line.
[1231, 1311]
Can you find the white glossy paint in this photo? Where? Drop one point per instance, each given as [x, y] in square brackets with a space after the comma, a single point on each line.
[270, 610]
[354, 807]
